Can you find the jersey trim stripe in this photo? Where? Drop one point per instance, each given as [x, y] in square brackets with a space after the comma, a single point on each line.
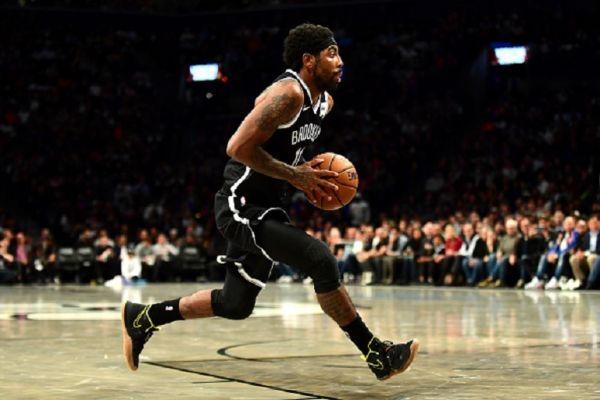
[247, 277]
[236, 212]
[324, 106]
[315, 107]
[291, 71]
[246, 222]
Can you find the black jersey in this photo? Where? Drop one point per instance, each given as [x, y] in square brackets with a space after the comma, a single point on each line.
[287, 144]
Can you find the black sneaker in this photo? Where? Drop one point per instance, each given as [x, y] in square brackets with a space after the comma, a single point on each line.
[137, 330]
[387, 359]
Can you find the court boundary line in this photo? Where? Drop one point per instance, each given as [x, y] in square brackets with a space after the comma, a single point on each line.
[224, 351]
[280, 389]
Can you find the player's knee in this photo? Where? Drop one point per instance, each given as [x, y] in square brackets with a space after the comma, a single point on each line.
[235, 311]
[231, 308]
[323, 268]
[239, 311]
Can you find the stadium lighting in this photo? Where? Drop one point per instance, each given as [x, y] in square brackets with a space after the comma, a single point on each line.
[204, 72]
[510, 55]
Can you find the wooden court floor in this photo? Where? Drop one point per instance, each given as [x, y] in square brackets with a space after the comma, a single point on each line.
[64, 343]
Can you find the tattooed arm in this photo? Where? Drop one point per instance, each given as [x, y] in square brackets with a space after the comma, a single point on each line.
[278, 105]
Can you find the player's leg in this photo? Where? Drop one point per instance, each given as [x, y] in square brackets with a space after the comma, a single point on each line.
[234, 301]
[289, 244]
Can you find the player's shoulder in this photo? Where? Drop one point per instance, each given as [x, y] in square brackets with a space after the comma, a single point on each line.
[289, 88]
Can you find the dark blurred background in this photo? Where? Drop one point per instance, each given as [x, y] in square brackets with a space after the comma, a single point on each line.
[101, 129]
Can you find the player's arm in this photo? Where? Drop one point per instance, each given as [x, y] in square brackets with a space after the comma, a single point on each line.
[278, 105]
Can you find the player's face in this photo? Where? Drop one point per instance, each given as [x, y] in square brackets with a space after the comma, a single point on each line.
[328, 69]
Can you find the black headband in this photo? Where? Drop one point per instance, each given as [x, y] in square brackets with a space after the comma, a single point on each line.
[322, 45]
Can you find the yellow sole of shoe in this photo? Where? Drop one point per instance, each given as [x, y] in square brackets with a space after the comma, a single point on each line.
[127, 344]
[414, 349]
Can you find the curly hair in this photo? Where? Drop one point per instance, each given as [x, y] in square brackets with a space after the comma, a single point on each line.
[305, 38]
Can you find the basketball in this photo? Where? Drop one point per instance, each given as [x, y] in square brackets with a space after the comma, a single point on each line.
[347, 181]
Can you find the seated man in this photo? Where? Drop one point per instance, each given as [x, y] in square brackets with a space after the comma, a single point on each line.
[506, 255]
[585, 256]
[353, 245]
[379, 245]
[106, 262]
[390, 261]
[438, 257]
[472, 252]
[529, 249]
[556, 256]
[593, 281]
[165, 259]
[424, 255]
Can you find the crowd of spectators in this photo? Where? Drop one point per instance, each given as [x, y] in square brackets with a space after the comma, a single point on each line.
[517, 250]
[97, 257]
[100, 132]
[524, 249]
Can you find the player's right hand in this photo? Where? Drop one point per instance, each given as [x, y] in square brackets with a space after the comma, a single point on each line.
[313, 182]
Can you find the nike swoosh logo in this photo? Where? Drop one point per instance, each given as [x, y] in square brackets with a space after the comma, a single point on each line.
[378, 365]
[305, 108]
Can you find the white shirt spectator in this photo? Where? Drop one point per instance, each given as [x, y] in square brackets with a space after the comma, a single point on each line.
[164, 251]
[131, 266]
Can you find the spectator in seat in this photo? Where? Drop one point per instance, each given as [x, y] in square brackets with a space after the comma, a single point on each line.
[408, 267]
[556, 256]
[106, 259]
[424, 255]
[130, 268]
[354, 244]
[23, 257]
[362, 249]
[86, 238]
[121, 247]
[439, 255]
[545, 231]
[8, 274]
[346, 251]
[530, 247]
[593, 280]
[145, 254]
[452, 244]
[392, 256]
[378, 249]
[472, 252]
[174, 238]
[360, 211]
[506, 255]
[165, 255]
[492, 267]
[45, 257]
[105, 237]
[586, 255]
[131, 265]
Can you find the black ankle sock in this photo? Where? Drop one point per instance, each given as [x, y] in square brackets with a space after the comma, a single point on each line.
[165, 312]
[359, 334]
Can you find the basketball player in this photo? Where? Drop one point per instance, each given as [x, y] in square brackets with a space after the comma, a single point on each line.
[266, 157]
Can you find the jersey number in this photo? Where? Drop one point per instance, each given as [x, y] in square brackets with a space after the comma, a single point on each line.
[298, 157]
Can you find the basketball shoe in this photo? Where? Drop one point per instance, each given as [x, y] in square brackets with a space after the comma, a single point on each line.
[387, 359]
[137, 329]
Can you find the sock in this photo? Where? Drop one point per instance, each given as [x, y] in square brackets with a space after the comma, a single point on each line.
[360, 335]
[165, 312]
